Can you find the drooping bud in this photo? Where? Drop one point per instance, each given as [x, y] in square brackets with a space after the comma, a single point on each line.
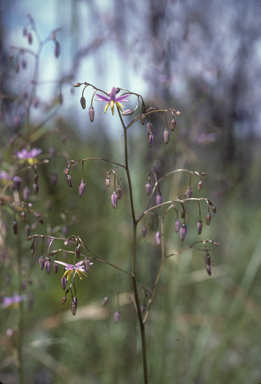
[35, 188]
[32, 249]
[149, 127]
[107, 181]
[15, 227]
[208, 218]
[177, 225]
[158, 237]
[26, 193]
[41, 262]
[63, 282]
[199, 226]
[64, 300]
[208, 259]
[183, 232]
[172, 124]
[144, 231]
[73, 307]
[83, 102]
[69, 180]
[142, 120]
[150, 139]
[117, 316]
[148, 188]
[208, 269]
[127, 112]
[214, 209]
[114, 199]
[57, 49]
[119, 191]
[87, 264]
[91, 114]
[55, 267]
[48, 265]
[189, 192]
[77, 85]
[66, 171]
[23, 215]
[78, 252]
[200, 184]
[166, 135]
[105, 301]
[82, 187]
[159, 199]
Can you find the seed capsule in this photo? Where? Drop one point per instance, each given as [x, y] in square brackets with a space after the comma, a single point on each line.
[64, 300]
[143, 119]
[214, 209]
[73, 308]
[78, 252]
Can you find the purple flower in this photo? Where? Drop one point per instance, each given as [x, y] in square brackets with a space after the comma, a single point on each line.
[113, 100]
[14, 300]
[5, 177]
[78, 268]
[28, 155]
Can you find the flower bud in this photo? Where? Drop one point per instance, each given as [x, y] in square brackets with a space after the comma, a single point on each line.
[91, 114]
[73, 308]
[105, 301]
[57, 49]
[158, 237]
[23, 215]
[142, 120]
[82, 187]
[172, 124]
[159, 199]
[64, 282]
[15, 227]
[41, 262]
[55, 267]
[77, 85]
[83, 102]
[107, 181]
[148, 188]
[208, 269]
[26, 193]
[189, 192]
[144, 231]
[69, 180]
[87, 264]
[66, 171]
[150, 138]
[119, 191]
[183, 232]
[35, 188]
[208, 259]
[78, 252]
[114, 199]
[127, 112]
[64, 300]
[199, 226]
[166, 135]
[200, 184]
[117, 316]
[48, 265]
[149, 127]
[32, 249]
[208, 218]
[214, 209]
[177, 225]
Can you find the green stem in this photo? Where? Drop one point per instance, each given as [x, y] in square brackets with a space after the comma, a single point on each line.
[19, 341]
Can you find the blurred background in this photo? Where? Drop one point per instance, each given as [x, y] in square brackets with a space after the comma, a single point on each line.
[201, 58]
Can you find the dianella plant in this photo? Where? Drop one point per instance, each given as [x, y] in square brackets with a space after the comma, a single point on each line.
[77, 263]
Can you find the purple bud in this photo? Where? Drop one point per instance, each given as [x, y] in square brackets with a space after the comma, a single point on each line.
[208, 269]
[54, 179]
[107, 181]
[189, 192]
[63, 281]
[142, 120]
[127, 112]
[82, 187]
[148, 188]
[114, 199]
[105, 301]
[83, 102]
[199, 226]
[55, 267]
[208, 259]
[26, 193]
[35, 188]
[144, 231]
[183, 231]
[73, 308]
[78, 252]
[200, 184]
[158, 237]
[117, 316]
[69, 180]
[48, 265]
[159, 199]
[119, 191]
[173, 124]
[177, 225]
[32, 249]
[87, 264]
[15, 227]
[166, 135]
[214, 209]
[150, 138]
[149, 127]
[91, 114]
[57, 49]
[41, 262]
[208, 218]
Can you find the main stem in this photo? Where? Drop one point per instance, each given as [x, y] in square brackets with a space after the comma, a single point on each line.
[134, 281]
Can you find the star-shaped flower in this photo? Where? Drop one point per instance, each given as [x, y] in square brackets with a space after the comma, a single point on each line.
[113, 100]
[78, 268]
[14, 300]
[29, 156]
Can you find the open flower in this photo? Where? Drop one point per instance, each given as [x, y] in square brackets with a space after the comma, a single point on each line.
[14, 300]
[5, 177]
[78, 268]
[113, 100]
[29, 156]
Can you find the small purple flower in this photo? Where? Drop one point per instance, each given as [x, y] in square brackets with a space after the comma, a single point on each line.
[114, 199]
[5, 177]
[112, 99]
[78, 268]
[14, 300]
[82, 188]
[159, 199]
[28, 155]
